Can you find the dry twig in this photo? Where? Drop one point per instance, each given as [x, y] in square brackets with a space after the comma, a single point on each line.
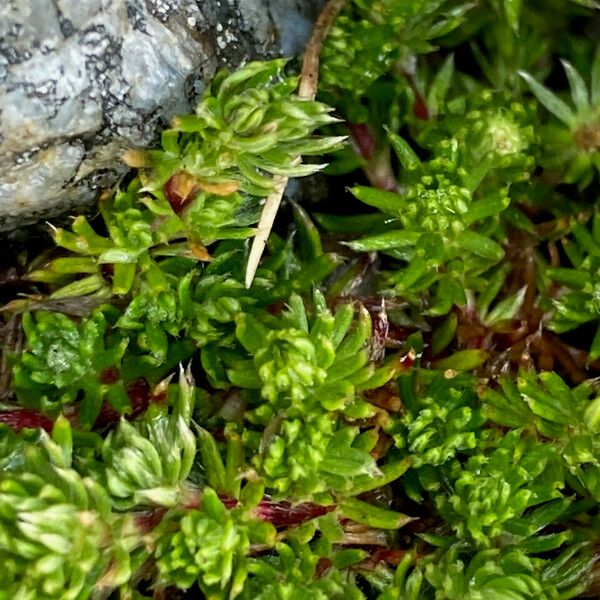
[308, 90]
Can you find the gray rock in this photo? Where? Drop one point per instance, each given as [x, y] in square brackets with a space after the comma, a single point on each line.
[82, 80]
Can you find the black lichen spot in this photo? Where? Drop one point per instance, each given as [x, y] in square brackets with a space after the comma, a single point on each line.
[66, 27]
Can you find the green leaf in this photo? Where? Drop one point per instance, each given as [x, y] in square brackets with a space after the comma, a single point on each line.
[385, 241]
[343, 318]
[406, 155]
[310, 241]
[444, 334]
[507, 309]
[592, 415]
[507, 409]
[439, 87]
[594, 352]
[550, 100]
[489, 206]
[595, 85]
[252, 494]
[480, 245]
[123, 277]
[389, 202]
[389, 472]
[118, 255]
[587, 3]
[512, 9]
[462, 360]
[352, 224]
[212, 462]
[80, 287]
[516, 217]
[62, 435]
[555, 406]
[571, 277]
[90, 407]
[347, 558]
[491, 290]
[250, 332]
[371, 515]
[579, 91]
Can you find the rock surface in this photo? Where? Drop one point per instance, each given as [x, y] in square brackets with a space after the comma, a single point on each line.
[81, 80]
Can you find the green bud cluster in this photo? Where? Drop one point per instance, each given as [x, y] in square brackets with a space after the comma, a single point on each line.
[497, 133]
[308, 367]
[210, 547]
[219, 300]
[549, 407]
[578, 299]
[289, 364]
[299, 362]
[147, 461]
[369, 37]
[55, 526]
[506, 573]
[296, 454]
[129, 226]
[441, 424]
[66, 361]
[248, 126]
[291, 574]
[441, 213]
[356, 55]
[437, 205]
[493, 492]
[572, 139]
[135, 223]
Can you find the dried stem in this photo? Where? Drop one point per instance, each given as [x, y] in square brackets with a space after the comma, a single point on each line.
[310, 66]
[12, 339]
[308, 89]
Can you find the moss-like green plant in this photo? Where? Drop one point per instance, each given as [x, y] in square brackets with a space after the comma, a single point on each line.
[67, 362]
[402, 404]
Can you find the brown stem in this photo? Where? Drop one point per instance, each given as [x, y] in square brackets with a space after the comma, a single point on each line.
[561, 352]
[307, 90]
[309, 76]
[12, 338]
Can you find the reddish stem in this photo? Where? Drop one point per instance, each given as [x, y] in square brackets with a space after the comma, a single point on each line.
[377, 161]
[22, 418]
[364, 140]
[280, 514]
[285, 514]
[148, 520]
[420, 110]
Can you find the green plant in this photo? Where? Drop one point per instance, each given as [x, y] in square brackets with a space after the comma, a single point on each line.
[401, 404]
[68, 361]
[507, 574]
[565, 416]
[209, 546]
[441, 420]
[576, 302]
[57, 534]
[204, 185]
[147, 462]
[574, 144]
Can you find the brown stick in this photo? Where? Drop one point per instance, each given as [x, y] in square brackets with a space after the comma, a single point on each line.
[309, 78]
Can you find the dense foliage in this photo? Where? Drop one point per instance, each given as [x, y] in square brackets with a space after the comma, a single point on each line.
[403, 404]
